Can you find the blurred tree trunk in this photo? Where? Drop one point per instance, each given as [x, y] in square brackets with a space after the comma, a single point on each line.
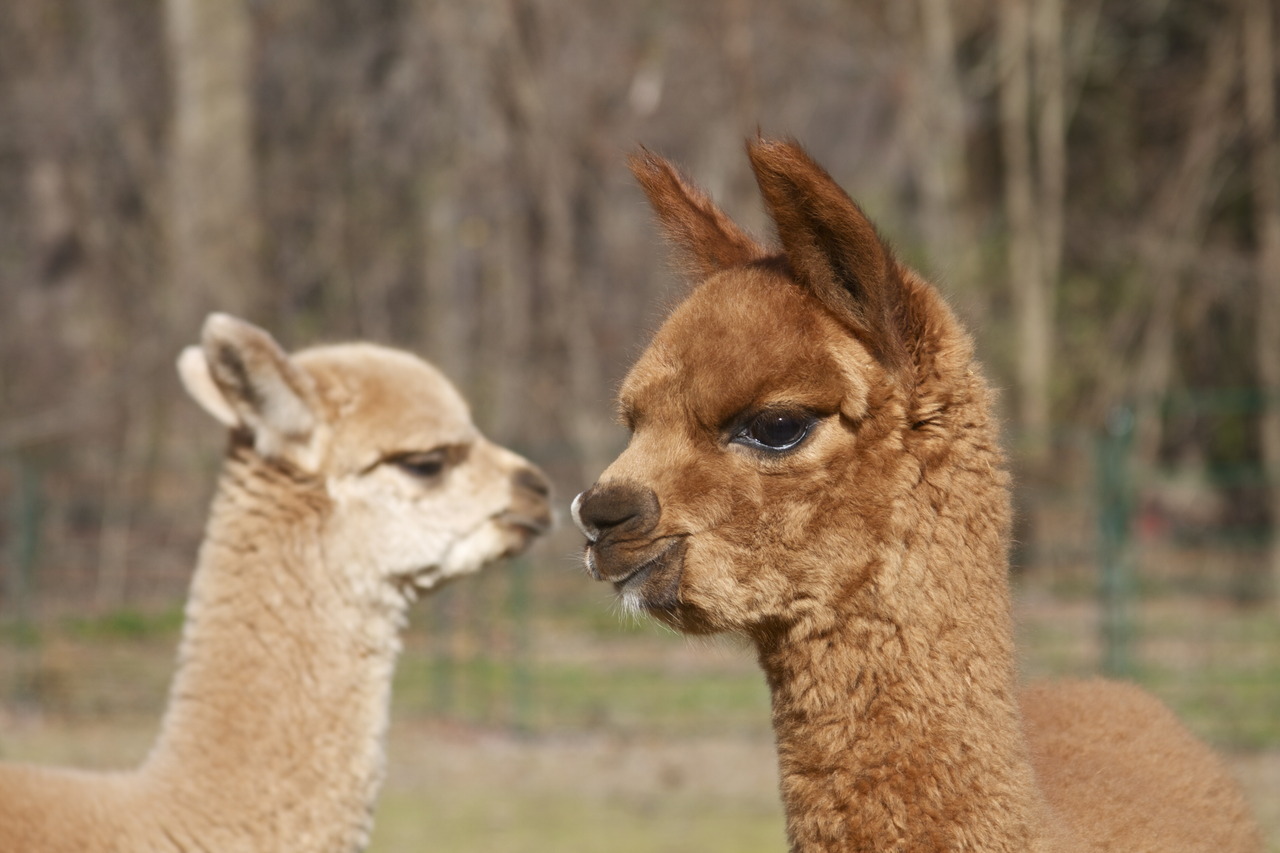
[937, 115]
[214, 237]
[724, 178]
[212, 242]
[450, 303]
[1264, 161]
[1050, 86]
[447, 318]
[1028, 197]
[533, 233]
[939, 104]
[1181, 210]
[124, 157]
[559, 333]
[1031, 71]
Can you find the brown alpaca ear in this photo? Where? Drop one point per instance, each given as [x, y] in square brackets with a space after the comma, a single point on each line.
[832, 248]
[708, 240]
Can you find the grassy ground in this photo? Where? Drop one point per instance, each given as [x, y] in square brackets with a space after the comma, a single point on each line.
[582, 792]
[578, 734]
[459, 789]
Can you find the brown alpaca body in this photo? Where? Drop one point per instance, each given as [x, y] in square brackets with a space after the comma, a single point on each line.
[1127, 775]
[814, 464]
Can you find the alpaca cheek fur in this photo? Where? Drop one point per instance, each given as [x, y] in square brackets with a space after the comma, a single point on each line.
[800, 519]
[404, 537]
[742, 519]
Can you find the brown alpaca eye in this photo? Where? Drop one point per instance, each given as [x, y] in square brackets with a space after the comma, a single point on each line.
[776, 430]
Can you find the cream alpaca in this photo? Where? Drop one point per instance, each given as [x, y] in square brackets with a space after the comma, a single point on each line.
[814, 464]
[354, 480]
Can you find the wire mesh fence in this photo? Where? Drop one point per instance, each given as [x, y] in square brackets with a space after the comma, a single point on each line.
[1158, 572]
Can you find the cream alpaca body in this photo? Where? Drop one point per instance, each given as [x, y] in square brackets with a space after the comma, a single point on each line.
[814, 464]
[353, 481]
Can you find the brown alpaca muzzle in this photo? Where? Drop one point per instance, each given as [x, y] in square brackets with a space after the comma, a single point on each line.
[620, 521]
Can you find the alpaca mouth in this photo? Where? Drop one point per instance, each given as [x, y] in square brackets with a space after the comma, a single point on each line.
[535, 525]
[655, 583]
[524, 528]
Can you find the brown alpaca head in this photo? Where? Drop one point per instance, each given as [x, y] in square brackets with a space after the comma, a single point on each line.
[783, 417]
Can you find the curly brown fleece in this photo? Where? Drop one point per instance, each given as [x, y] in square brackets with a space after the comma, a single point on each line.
[815, 464]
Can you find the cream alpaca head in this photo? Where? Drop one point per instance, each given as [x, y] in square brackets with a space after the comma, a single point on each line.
[416, 494]
[780, 417]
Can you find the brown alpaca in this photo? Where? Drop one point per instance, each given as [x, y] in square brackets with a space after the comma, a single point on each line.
[814, 464]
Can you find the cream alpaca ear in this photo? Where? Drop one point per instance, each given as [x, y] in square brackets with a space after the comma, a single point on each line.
[260, 386]
[193, 370]
[708, 239]
[833, 248]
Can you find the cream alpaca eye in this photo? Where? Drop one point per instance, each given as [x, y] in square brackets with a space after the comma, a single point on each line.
[777, 430]
[424, 465]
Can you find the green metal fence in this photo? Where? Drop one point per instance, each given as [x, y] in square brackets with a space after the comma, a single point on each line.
[1129, 574]
[1185, 586]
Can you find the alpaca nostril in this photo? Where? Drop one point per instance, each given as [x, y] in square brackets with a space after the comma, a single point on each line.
[623, 507]
[532, 480]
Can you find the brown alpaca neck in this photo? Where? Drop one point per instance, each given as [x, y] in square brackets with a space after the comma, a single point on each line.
[895, 717]
[898, 737]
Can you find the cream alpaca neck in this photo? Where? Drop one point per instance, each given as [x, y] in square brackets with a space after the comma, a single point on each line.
[266, 687]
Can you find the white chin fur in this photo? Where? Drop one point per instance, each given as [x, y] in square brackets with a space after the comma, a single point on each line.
[469, 554]
[630, 601]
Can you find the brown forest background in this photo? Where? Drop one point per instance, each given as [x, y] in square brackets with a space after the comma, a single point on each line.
[1095, 184]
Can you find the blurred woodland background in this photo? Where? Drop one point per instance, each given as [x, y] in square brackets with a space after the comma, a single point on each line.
[1094, 183]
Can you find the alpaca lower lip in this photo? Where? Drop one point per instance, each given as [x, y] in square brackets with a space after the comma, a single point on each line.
[647, 582]
[527, 524]
[619, 570]
[638, 576]
[523, 532]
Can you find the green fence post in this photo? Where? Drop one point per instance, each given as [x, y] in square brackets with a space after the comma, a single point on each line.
[27, 514]
[443, 671]
[1116, 586]
[521, 674]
